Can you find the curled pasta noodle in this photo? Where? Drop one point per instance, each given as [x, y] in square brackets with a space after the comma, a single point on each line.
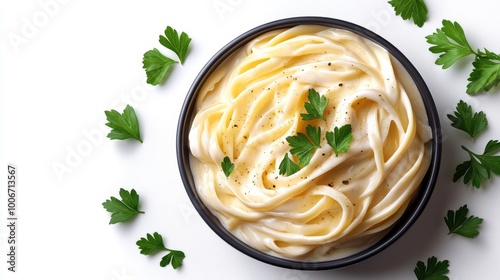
[334, 205]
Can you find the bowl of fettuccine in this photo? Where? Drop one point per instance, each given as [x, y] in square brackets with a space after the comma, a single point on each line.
[309, 143]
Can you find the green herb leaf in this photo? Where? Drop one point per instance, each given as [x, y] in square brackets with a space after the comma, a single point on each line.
[157, 66]
[124, 209]
[480, 166]
[339, 139]
[491, 147]
[227, 166]
[154, 243]
[302, 146]
[492, 162]
[315, 107]
[314, 134]
[435, 270]
[459, 223]
[450, 42]
[151, 244]
[485, 74]
[411, 9]
[178, 44]
[287, 166]
[174, 257]
[467, 121]
[123, 126]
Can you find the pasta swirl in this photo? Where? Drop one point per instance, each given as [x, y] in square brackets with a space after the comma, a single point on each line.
[335, 205]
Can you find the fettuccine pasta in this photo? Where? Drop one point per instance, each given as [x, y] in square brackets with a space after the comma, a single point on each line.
[334, 205]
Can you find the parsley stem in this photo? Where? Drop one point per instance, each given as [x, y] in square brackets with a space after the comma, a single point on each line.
[471, 153]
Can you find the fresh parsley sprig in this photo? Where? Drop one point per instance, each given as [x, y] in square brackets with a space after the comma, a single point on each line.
[451, 44]
[411, 9]
[123, 126]
[480, 166]
[157, 66]
[434, 270]
[288, 166]
[153, 244]
[485, 73]
[315, 107]
[473, 123]
[124, 209]
[179, 44]
[339, 139]
[304, 146]
[459, 223]
[227, 166]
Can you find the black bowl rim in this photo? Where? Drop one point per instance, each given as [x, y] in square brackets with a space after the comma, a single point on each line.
[405, 222]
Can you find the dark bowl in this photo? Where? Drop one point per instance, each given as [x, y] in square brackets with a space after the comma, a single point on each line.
[400, 227]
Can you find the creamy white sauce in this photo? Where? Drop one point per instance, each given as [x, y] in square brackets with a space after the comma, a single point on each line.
[335, 205]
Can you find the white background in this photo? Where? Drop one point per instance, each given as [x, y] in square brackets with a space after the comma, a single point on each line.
[63, 63]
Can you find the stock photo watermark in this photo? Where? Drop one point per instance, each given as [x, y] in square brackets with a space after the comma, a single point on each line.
[123, 274]
[295, 275]
[188, 212]
[223, 7]
[91, 138]
[31, 25]
[11, 222]
[380, 19]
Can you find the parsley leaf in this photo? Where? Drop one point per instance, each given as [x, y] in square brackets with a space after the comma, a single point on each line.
[302, 146]
[314, 134]
[123, 126]
[178, 44]
[124, 209]
[465, 120]
[315, 107]
[435, 270]
[157, 66]
[451, 43]
[480, 166]
[287, 166]
[175, 257]
[154, 243]
[451, 50]
[485, 74]
[411, 9]
[151, 244]
[459, 223]
[339, 139]
[227, 166]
